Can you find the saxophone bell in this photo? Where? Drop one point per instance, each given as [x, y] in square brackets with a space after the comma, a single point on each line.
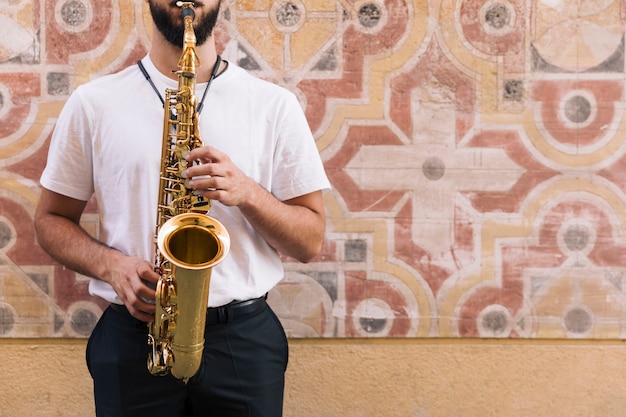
[193, 243]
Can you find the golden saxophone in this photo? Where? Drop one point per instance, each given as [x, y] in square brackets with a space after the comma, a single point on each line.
[189, 242]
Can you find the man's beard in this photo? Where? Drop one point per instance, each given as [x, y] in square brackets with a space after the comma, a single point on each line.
[173, 32]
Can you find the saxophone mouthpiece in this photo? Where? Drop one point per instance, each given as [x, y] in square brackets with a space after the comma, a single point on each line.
[187, 9]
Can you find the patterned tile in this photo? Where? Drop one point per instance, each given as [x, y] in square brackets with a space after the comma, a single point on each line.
[475, 150]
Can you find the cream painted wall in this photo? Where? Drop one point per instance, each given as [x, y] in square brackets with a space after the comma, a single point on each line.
[338, 378]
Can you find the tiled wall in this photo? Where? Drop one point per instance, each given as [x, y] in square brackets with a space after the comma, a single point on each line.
[475, 148]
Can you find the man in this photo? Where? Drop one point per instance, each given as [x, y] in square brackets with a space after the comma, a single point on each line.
[261, 170]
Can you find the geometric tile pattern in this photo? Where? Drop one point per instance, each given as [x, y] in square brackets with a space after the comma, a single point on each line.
[475, 148]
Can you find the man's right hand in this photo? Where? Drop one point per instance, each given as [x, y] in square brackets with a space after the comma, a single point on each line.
[134, 280]
[57, 224]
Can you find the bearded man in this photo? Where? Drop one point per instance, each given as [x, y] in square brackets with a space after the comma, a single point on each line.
[262, 172]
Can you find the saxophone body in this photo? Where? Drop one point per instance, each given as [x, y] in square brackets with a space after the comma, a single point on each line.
[189, 243]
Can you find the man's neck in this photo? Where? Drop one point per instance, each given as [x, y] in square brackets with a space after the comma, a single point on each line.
[165, 57]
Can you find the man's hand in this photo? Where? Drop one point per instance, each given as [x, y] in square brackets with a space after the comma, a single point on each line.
[57, 224]
[294, 227]
[130, 278]
[218, 178]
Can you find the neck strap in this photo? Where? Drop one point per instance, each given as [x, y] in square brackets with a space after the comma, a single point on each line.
[214, 73]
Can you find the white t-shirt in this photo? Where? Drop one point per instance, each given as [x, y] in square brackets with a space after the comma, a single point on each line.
[108, 141]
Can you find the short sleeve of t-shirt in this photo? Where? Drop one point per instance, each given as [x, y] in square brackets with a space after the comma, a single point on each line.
[69, 167]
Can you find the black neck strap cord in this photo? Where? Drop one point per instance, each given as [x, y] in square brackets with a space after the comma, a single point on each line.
[216, 69]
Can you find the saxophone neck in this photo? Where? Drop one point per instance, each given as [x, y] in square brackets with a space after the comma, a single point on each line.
[189, 58]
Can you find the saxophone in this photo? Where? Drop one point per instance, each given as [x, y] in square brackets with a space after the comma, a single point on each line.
[189, 242]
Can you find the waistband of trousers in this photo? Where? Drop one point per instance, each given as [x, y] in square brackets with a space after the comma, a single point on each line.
[223, 314]
[234, 310]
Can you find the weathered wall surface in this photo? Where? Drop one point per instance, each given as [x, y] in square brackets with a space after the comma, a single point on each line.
[475, 148]
[392, 378]
[477, 157]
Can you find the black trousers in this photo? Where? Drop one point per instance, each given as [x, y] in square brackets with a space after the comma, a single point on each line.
[242, 371]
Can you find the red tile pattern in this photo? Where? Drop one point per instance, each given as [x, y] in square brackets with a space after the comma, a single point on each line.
[475, 149]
